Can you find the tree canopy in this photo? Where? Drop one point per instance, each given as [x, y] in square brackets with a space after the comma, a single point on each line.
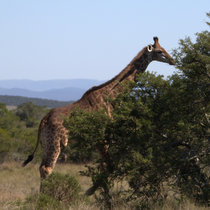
[158, 136]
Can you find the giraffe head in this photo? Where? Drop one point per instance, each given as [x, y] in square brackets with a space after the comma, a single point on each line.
[158, 53]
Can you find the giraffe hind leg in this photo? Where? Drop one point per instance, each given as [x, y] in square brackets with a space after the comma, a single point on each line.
[49, 159]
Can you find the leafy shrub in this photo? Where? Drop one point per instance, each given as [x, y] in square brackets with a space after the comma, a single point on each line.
[46, 202]
[61, 187]
[58, 191]
[40, 201]
[80, 147]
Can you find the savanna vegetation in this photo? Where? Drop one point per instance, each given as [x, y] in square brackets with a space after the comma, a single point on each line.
[158, 140]
[18, 130]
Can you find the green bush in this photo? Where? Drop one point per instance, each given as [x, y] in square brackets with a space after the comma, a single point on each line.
[40, 201]
[58, 191]
[80, 147]
[46, 202]
[61, 187]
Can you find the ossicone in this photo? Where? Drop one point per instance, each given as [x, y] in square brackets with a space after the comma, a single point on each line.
[156, 42]
[155, 38]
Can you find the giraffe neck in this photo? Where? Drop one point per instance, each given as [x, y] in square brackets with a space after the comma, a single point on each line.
[96, 96]
[137, 65]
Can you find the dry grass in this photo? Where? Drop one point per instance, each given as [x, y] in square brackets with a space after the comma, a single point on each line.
[17, 183]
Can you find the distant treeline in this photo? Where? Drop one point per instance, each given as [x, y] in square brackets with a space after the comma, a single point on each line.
[17, 100]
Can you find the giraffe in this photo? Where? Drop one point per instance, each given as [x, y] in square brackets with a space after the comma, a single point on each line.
[54, 135]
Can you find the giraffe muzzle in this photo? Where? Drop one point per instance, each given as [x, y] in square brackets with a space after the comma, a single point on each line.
[172, 62]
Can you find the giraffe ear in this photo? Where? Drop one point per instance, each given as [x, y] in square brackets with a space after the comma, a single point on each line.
[150, 48]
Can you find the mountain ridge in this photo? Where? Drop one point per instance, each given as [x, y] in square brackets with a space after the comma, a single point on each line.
[60, 90]
[43, 85]
[64, 94]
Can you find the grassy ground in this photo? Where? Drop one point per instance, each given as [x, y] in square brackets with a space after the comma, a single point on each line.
[17, 183]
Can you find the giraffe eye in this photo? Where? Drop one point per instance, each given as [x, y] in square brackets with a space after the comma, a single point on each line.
[159, 52]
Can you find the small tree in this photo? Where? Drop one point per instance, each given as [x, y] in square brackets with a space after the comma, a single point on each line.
[158, 135]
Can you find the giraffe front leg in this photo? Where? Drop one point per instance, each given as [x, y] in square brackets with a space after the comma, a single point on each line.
[64, 136]
[106, 163]
[106, 168]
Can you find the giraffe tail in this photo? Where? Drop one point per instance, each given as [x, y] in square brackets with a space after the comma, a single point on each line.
[30, 157]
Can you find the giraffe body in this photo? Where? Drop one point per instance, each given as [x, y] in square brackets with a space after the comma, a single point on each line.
[54, 135]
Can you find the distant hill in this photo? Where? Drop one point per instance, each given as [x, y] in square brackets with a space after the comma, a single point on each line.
[65, 94]
[61, 90]
[17, 100]
[44, 85]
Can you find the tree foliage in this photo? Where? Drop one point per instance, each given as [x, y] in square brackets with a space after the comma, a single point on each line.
[18, 130]
[30, 113]
[158, 136]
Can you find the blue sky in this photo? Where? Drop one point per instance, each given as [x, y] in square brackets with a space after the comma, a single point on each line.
[66, 39]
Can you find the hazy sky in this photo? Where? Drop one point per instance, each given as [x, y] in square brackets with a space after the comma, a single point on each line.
[93, 39]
